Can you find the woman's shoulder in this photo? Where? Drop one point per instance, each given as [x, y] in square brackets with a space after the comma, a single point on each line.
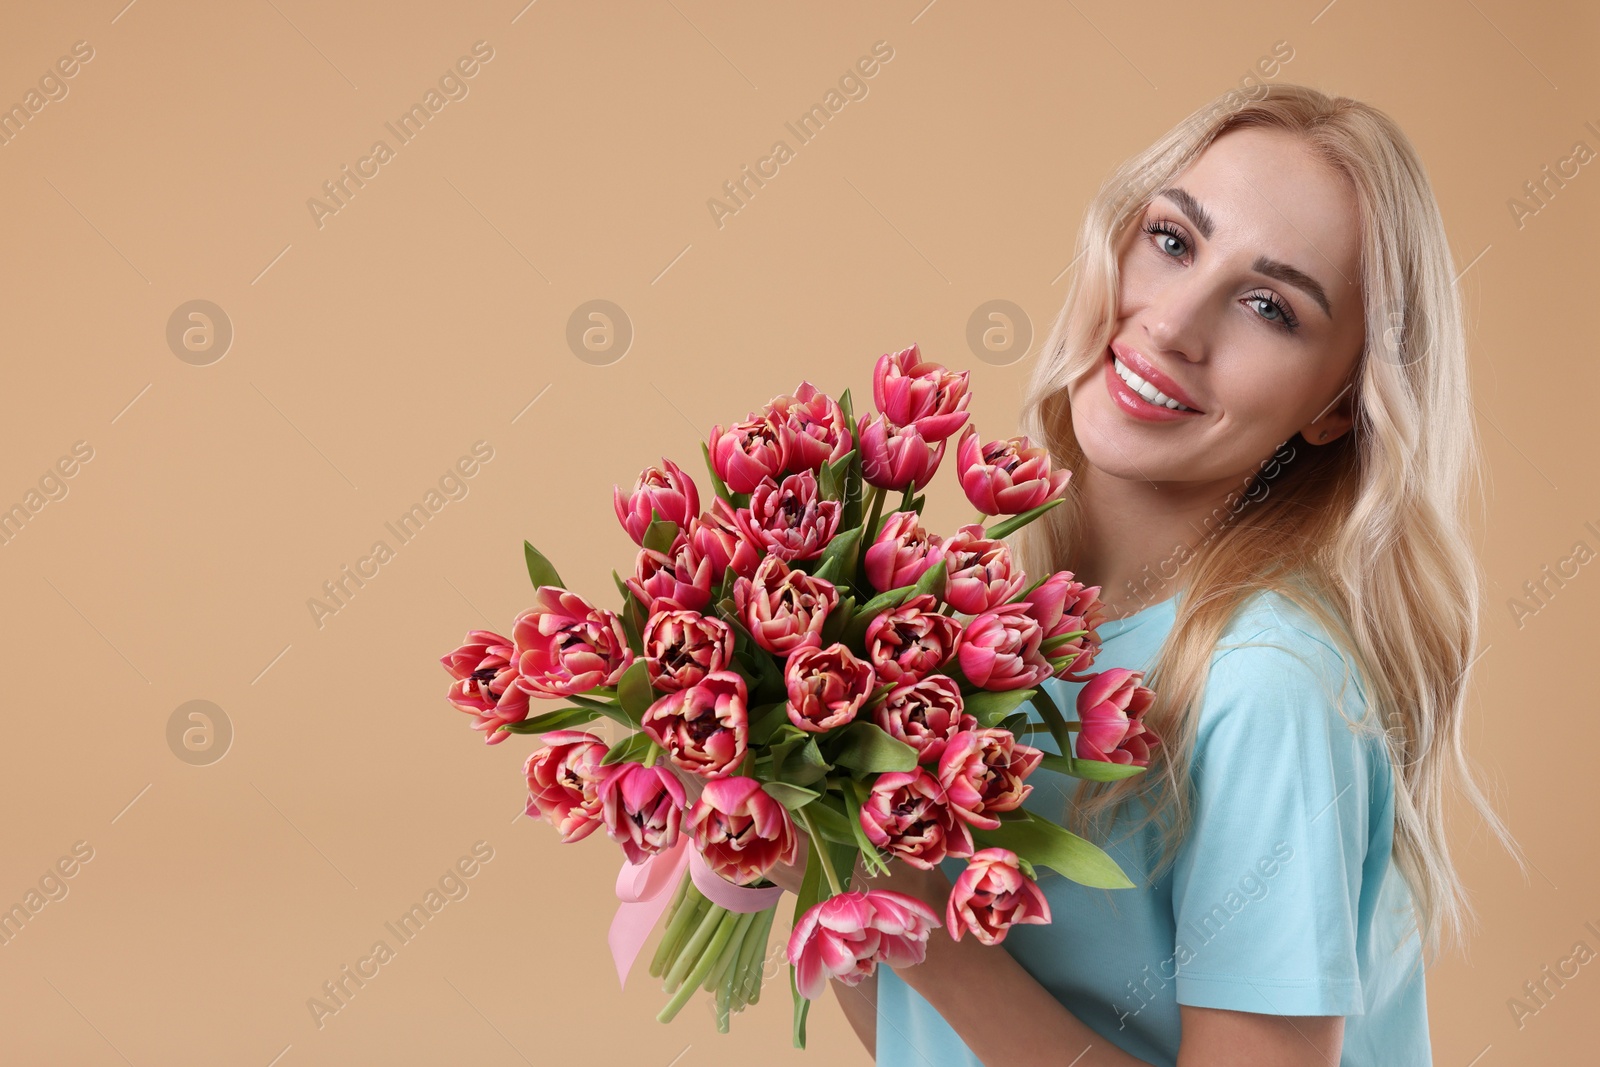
[1282, 667]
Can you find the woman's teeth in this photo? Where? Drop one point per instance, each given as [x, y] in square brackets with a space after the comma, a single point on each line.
[1144, 388]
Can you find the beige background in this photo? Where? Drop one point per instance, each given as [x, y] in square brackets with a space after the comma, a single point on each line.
[431, 312]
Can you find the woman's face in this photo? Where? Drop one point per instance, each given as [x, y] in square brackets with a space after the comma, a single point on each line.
[1239, 298]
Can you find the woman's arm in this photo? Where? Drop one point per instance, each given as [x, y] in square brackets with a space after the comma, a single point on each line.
[1213, 1037]
[860, 1004]
[966, 980]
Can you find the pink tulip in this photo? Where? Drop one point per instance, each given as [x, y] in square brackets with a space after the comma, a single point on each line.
[670, 492]
[485, 687]
[715, 536]
[924, 714]
[906, 815]
[677, 579]
[979, 573]
[642, 808]
[826, 686]
[894, 457]
[991, 896]
[1062, 606]
[900, 554]
[910, 391]
[790, 519]
[812, 426]
[564, 780]
[912, 640]
[848, 935]
[565, 645]
[682, 647]
[747, 452]
[1006, 477]
[783, 607]
[982, 772]
[1111, 707]
[740, 831]
[704, 728]
[999, 650]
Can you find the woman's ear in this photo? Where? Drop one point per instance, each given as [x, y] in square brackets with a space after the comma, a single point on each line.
[1335, 420]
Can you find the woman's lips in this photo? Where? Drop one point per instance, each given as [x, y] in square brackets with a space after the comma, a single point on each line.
[1134, 404]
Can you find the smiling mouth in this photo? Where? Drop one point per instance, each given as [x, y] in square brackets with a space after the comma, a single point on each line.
[1149, 393]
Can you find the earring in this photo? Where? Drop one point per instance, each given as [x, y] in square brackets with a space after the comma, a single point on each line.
[1323, 436]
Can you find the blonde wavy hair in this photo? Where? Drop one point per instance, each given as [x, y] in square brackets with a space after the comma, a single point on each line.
[1371, 525]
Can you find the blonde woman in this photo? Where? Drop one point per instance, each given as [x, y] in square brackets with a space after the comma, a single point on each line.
[1259, 380]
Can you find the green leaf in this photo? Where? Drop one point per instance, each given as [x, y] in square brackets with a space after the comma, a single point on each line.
[932, 581]
[832, 823]
[634, 692]
[540, 569]
[991, 706]
[560, 719]
[856, 631]
[866, 746]
[1037, 582]
[1094, 770]
[793, 797]
[632, 749]
[838, 620]
[660, 534]
[765, 720]
[833, 478]
[1045, 844]
[802, 764]
[1051, 716]
[1058, 640]
[842, 551]
[812, 889]
[606, 708]
[1019, 722]
[1017, 522]
[716, 482]
[852, 808]
[827, 570]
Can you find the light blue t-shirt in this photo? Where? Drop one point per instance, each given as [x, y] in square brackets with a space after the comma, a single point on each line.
[1283, 899]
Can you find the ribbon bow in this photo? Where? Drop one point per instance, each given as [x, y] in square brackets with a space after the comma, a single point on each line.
[643, 889]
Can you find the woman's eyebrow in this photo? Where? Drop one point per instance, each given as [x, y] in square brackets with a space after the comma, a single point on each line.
[1263, 265]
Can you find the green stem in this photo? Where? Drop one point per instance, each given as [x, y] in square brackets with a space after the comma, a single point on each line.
[731, 953]
[870, 530]
[707, 960]
[822, 851]
[650, 757]
[752, 996]
[682, 911]
[690, 954]
[755, 944]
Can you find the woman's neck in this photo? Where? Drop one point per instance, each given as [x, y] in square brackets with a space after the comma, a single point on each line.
[1136, 537]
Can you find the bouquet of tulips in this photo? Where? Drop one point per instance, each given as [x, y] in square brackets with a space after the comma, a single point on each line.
[795, 659]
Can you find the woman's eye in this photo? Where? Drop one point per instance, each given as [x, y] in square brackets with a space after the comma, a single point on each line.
[1167, 238]
[1274, 312]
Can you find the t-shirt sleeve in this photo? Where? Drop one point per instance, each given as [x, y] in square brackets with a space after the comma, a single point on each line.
[1267, 882]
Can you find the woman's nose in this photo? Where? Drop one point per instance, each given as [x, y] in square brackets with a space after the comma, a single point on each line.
[1181, 316]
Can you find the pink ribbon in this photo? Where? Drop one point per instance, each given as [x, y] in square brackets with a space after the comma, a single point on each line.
[644, 890]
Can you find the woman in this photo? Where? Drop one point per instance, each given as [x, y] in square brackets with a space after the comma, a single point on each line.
[1258, 380]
